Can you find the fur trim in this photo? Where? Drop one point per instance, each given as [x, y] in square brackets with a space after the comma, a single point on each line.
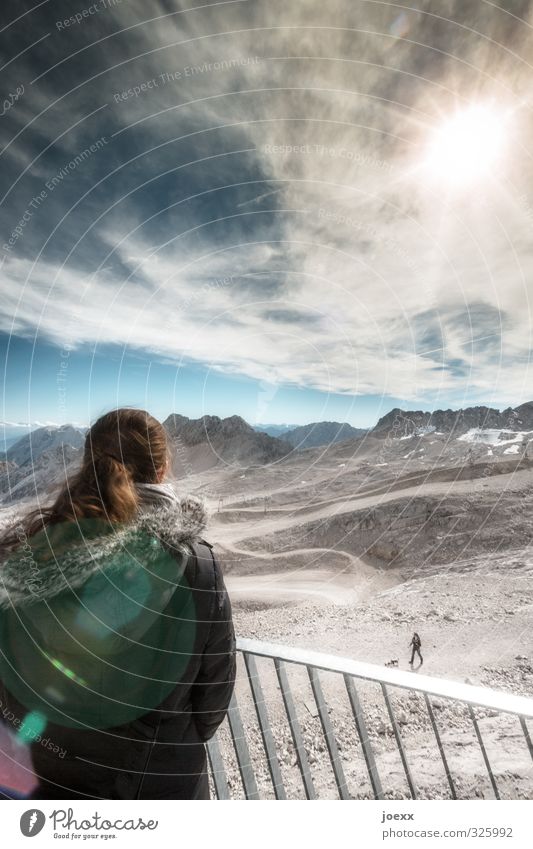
[175, 523]
[69, 553]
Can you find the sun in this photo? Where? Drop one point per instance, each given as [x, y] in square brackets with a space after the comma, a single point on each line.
[467, 146]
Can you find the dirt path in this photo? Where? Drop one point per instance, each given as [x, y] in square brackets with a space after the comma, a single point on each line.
[279, 589]
[303, 574]
[254, 521]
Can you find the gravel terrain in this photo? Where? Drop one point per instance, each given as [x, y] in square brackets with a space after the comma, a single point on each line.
[352, 567]
[350, 548]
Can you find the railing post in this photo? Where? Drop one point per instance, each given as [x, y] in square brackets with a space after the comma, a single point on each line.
[441, 747]
[526, 735]
[241, 750]
[399, 742]
[294, 726]
[217, 769]
[484, 752]
[264, 727]
[364, 738]
[329, 733]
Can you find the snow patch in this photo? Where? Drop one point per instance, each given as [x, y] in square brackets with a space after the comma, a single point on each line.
[493, 436]
[513, 449]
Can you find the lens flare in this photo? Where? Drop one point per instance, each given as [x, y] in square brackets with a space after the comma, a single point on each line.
[68, 673]
[33, 725]
[467, 146]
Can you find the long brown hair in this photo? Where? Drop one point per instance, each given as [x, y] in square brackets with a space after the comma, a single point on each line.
[122, 448]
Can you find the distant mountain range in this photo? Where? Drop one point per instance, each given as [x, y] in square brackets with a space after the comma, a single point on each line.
[321, 433]
[274, 429]
[7, 442]
[455, 422]
[33, 444]
[312, 435]
[12, 432]
[40, 477]
[37, 461]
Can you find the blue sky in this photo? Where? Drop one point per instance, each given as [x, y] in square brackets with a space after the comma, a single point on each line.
[225, 210]
[75, 386]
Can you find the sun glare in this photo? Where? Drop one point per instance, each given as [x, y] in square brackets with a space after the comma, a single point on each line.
[467, 146]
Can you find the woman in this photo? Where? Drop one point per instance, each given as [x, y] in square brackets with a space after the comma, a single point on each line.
[117, 647]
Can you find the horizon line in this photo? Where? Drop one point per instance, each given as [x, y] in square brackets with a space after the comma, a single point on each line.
[38, 424]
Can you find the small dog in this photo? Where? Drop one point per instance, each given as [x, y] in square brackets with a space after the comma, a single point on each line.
[391, 663]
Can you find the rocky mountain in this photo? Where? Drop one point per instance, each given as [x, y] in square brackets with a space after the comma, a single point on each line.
[7, 442]
[321, 433]
[29, 448]
[202, 443]
[36, 464]
[40, 477]
[11, 432]
[274, 429]
[400, 423]
[5, 467]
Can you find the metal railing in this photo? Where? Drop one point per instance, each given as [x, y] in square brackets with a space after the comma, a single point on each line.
[253, 757]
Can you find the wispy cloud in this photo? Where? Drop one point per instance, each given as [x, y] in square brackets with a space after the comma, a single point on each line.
[259, 206]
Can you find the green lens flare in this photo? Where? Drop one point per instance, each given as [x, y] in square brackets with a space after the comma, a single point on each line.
[65, 670]
[31, 727]
[111, 650]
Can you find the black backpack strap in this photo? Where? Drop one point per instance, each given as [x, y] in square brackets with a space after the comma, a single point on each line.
[204, 576]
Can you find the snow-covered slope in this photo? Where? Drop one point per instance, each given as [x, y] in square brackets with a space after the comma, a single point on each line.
[496, 436]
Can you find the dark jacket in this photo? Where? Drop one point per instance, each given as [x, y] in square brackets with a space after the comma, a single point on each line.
[117, 648]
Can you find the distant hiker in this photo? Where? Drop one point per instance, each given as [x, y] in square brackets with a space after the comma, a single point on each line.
[416, 642]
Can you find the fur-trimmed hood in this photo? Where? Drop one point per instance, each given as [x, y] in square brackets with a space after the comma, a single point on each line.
[72, 555]
[101, 620]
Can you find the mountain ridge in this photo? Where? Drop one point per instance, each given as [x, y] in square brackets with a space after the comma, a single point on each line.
[399, 422]
[210, 440]
[31, 445]
[315, 434]
[232, 439]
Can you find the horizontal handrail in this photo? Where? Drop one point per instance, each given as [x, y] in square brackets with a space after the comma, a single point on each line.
[469, 693]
